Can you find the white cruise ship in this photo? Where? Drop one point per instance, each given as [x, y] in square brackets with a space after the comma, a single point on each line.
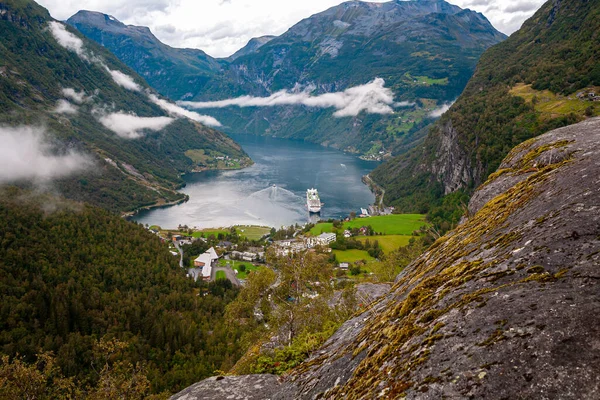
[313, 202]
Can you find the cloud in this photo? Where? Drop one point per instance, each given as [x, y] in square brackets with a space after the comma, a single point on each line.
[130, 126]
[77, 97]
[374, 98]
[26, 155]
[64, 107]
[221, 27]
[66, 39]
[123, 80]
[120, 123]
[175, 109]
[438, 112]
[75, 44]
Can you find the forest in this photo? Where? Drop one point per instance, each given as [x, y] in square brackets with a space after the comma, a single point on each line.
[74, 277]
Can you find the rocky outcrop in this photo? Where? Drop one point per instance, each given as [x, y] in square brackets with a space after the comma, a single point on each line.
[505, 306]
[452, 165]
[248, 387]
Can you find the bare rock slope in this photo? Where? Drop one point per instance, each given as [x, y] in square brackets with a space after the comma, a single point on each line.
[505, 306]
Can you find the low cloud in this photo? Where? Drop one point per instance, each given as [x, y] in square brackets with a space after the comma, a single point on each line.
[130, 126]
[75, 44]
[438, 112]
[27, 155]
[66, 39]
[179, 111]
[77, 97]
[64, 107]
[374, 98]
[123, 80]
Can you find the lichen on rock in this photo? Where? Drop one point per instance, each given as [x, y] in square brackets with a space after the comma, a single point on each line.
[505, 306]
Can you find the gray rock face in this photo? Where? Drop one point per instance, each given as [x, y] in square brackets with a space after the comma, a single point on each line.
[505, 306]
[248, 387]
[453, 166]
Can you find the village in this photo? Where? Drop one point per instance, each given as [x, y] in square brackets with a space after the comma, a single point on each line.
[234, 253]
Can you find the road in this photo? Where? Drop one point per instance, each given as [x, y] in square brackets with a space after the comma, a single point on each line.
[181, 254]
[377, 189]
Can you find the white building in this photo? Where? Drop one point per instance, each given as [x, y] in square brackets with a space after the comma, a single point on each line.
[325, 238]
[206, 261]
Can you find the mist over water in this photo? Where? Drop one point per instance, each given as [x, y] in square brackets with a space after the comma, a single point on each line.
[248, 197]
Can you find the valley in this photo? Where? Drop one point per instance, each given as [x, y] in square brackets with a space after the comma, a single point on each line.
[272, 192]
[385, 199]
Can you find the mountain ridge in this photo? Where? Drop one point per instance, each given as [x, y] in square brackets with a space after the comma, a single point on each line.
[425, 52]
[84, 97]
[522, 87]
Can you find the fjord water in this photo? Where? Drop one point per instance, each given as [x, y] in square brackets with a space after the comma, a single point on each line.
[248, 197]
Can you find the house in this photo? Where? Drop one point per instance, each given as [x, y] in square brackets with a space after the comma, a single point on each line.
[176, 238]
[344, 265]
[347, 234]
[213, 254]
[236, 255]
[325, 238]
[206, 261]
[248, 256]
[224, 244]
[364, 212]
[287, 247]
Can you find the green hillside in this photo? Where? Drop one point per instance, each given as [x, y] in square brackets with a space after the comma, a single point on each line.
[127, 173]
[78, 274]
[522, 88]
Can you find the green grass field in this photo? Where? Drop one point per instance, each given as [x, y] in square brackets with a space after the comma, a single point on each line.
[388, 243]
[252, 232]
[395, 224]
[553, 105]
[221, 275]
[351, 256]
[324, 227]
[207, 232]
[249, 268]
[249, 232]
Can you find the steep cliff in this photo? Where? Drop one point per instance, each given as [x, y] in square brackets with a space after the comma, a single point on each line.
[505, 306]
[525, 86]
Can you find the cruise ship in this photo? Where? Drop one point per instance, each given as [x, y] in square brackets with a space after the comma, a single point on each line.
[313, 202]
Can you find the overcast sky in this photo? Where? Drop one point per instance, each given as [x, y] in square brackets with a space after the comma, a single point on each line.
[220, 27]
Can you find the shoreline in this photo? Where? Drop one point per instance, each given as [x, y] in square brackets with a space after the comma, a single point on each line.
[377, 190]
[130, 214]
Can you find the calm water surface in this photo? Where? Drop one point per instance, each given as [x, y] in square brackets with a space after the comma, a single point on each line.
[248, 197]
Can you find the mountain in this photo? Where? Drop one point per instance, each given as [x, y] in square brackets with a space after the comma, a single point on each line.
[160, 65]
[74, 99]
[521, 88]
[505, 306]
[425, 51]
[253, 45]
